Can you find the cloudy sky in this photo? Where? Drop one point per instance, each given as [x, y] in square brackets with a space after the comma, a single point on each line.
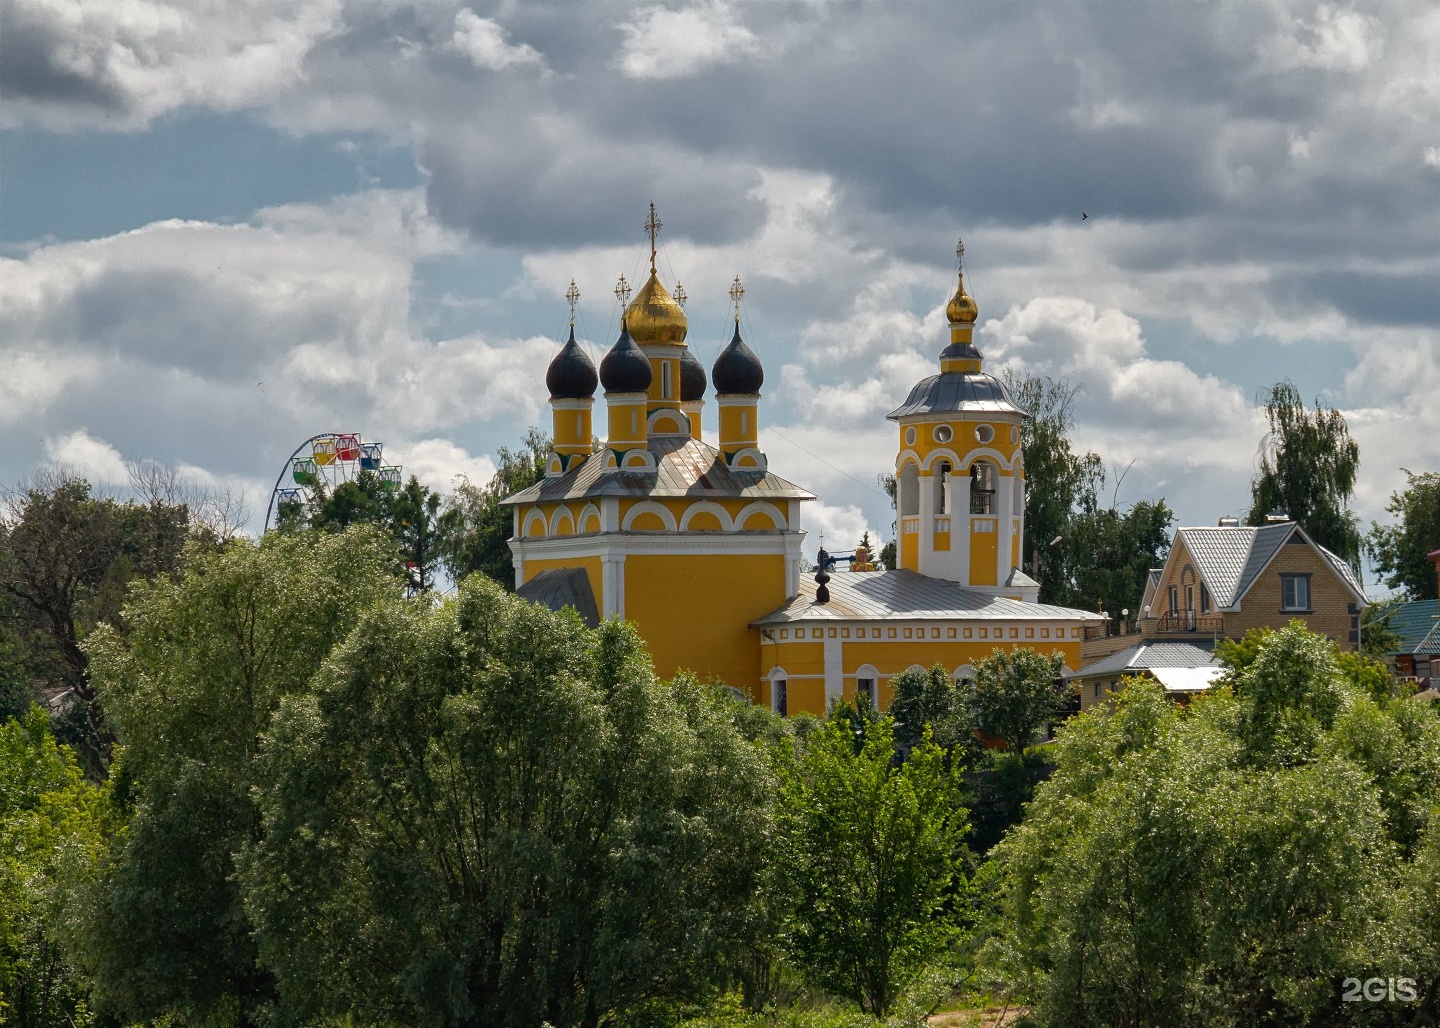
[225, 227]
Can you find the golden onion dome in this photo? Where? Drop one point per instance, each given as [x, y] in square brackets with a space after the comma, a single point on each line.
[962, 310]
[654, 316]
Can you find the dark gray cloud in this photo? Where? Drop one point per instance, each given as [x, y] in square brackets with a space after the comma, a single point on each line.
[32, 67]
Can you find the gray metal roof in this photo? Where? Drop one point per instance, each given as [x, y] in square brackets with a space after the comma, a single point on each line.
[685, 467]
[1148, 655]
[862, 595]
[558, 588]
[1231, 558]
[957, 391]
[1417, 626]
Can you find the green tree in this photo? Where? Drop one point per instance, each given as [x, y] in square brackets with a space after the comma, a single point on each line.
[1308, 464]
[1018, 695]
[506, 819]
[1399, 550]
[476, 527]
[1058, 482]
[928, 702]
[66, 559]
[191, 689]
[1228, 862]
[53, 826]
[873, 847]
[1109, 554]
[410, 517]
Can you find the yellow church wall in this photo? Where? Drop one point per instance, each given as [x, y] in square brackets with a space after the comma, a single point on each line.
[695, 611]
[593, 571]
[738, 426]
[803, 661]
[647, 521]
[705, 521]
[805, 696]
[984, 549]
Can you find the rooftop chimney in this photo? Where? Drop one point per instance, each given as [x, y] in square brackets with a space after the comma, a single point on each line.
[1276, 517]
[1228, 522]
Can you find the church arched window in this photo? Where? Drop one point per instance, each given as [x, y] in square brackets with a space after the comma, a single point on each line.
[943, 487]
[982, 487]
[909, 489]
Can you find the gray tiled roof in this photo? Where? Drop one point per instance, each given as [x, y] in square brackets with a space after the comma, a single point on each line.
[558, 588]
[1149, 655]
[860, 595]
[956, 391]
[1230, 558]
[686, 467]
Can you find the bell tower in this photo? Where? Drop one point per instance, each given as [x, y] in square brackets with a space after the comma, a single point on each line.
[960, 477]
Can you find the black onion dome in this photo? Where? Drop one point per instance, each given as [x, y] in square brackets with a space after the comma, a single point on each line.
[692, 376]
[960, 352]
[737, 369]
[571, 375]
[625, 368]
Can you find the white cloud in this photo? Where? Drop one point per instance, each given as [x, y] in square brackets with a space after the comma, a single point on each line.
[483, 41]
[1335, 40]
[92, 458]
[119, 65]
[1432, 157]
[667, 44]
[838, 529]
[439, 462]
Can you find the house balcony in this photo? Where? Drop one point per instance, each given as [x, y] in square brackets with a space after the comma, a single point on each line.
[1184, 622]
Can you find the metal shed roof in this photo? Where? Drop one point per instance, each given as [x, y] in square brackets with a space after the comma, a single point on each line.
[685, 467]
[866, 595]
[957, 391]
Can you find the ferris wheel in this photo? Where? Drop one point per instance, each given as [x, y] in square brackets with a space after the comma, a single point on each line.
[325, 461]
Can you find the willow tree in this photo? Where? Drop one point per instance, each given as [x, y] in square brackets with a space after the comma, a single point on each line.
[1308, 464]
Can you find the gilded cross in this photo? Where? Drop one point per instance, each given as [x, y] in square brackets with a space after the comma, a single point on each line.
[622, 291]
[680, 296]
[960, 254]
[736, 292]
[573, 295]
[652, 226]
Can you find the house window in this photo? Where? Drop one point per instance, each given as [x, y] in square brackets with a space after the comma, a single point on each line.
[1096, 694]
[777, 694]
[1189, 597]
[982, 487]
[1174, 600]
[1295, 592]
[1204, 599]
[865, 693]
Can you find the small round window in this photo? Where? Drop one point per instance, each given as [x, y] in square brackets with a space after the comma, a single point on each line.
[910, 436]
[943, 433]
[984, 433]
[1014, 434]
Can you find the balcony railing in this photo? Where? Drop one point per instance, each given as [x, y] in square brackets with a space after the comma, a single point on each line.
[1189, 621]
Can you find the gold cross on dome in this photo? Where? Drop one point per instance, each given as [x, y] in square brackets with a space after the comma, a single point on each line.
[736, 292]
[960, 254]
[680, 295]
[573, 295]
[622, 291]
[652, 226]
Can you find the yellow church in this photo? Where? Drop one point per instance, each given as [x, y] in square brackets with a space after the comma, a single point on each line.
[700, 545]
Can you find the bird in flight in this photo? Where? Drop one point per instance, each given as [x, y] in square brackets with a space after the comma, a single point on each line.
[1083, 216]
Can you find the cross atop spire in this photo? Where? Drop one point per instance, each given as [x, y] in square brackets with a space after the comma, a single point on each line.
[960, 255]
[680, 294]
[736, 292]
[622, 291]
[573, 295]
[652, 226]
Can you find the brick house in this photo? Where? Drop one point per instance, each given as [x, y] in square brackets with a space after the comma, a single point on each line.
[1218, 583]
